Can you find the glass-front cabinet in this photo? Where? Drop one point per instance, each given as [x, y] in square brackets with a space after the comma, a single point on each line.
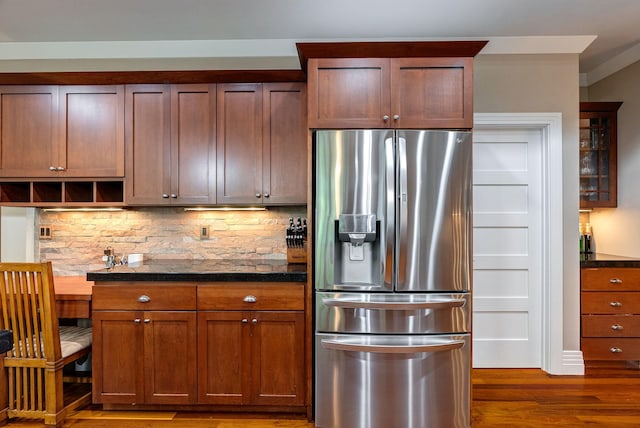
[598, 154]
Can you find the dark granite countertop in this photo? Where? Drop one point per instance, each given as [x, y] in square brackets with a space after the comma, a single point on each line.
[204, 271]
[607, 260]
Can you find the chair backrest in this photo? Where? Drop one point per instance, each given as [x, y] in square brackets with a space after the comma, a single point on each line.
[28, 309]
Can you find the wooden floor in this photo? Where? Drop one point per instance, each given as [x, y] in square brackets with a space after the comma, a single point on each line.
[604, 397]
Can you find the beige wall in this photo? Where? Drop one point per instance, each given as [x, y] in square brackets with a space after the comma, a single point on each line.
[617, 230]
[543, 83]
[79, 238]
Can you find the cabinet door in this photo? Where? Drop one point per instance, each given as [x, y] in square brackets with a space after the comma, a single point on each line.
[598, 168]
[148, 144]
[432, 93]
[91, 124]
[193, 144]
[277, 358]
[284, 175]
[349, 93]
[28, 129]
[170, 357]
[239, 145]
[118, 359]
[223, 348]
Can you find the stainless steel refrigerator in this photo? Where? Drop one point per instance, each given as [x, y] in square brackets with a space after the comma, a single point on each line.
[392, 273]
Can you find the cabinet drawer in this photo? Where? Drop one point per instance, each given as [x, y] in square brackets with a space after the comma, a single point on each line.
[243, 296]
[610, 279]
[611, 349]
[610, 303]
[611, 325]
[132, 296]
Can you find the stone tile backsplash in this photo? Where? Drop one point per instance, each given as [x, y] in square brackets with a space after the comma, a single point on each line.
[79, 238]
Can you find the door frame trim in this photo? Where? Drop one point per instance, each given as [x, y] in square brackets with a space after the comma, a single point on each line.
[555, 360]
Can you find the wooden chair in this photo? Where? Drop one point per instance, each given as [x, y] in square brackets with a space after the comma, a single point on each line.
[31, 374]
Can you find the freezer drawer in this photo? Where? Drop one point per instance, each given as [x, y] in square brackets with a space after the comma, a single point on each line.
[393, 313]
[365, 381]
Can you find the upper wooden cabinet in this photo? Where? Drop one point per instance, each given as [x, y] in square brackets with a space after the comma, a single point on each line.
[261, 144]
[598, 170]
[170, 133]
[67, 131]
[390, 92]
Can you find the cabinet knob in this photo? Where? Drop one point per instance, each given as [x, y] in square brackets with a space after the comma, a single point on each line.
[244, 320]
[266, 195]
[615, 304]
[60, 168]
[147, 321]
[254, 321]
[615, 350]
[137, 320]
[396, 117]
[616, 327]
[144, 299]
[258, 194]
[385, 117]
[615, 281]
[250, 299]
[52, 168]
[174, 196]
[165, 196]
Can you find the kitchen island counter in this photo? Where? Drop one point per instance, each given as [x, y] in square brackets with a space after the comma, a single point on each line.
[599, 260]
[242, 270]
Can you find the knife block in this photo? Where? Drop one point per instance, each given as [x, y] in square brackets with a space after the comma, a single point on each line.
[297, 255]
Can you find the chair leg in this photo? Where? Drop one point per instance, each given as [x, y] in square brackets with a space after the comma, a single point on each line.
[54, 400]
[4, 393]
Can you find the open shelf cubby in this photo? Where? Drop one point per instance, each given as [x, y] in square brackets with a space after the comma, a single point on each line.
[62, 193]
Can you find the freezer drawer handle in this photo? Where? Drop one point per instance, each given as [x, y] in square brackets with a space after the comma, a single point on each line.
[441, 304]
[392, 349]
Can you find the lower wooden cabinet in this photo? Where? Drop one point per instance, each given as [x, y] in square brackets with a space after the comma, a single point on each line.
[208, 344]
[251, 357]
[610, 313]
[144, 357]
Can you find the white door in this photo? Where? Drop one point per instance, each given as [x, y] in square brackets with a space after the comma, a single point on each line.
[507, 247]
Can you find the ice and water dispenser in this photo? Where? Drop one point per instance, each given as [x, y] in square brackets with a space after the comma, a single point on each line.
[357, 249]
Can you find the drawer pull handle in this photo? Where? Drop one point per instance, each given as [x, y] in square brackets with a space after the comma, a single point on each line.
[615, 281]
[615, 350]
[144, 299]
[615, 304]
[250, 299]
[616, 327]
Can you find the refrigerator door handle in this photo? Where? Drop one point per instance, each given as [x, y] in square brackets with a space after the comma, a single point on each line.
[401, 247]
[340, 345]
[390, 208]
[355, 304]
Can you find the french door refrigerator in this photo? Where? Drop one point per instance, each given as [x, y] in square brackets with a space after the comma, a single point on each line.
[392, 273]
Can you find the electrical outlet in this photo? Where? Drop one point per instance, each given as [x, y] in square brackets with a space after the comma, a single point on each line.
[204, 232]
[45, 232]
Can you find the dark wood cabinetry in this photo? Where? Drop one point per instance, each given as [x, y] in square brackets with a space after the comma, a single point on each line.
[170, 144]
[390, 93]
[143, 344]
[203, 344]
[67, 131]
[610, 308]
[598, 154]
[62, 145]
[251, 345]
[261, 144]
